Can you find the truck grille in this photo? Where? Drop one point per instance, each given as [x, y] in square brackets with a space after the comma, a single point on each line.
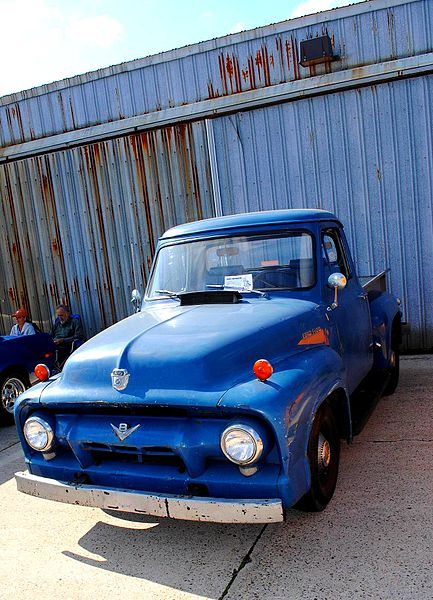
[154, 455]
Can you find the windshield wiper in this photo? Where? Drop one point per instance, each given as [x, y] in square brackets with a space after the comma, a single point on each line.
[169, 293]
[241, 290]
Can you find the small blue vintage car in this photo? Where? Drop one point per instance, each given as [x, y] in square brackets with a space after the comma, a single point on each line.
[18, 358]
[255, 350]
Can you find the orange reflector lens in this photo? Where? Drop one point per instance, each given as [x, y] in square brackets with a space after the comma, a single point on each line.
[42, 372]
[262, 369]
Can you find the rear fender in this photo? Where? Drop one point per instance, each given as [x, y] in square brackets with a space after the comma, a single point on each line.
[384, 310]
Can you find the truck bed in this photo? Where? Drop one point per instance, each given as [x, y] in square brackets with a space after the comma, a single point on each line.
[374, 282]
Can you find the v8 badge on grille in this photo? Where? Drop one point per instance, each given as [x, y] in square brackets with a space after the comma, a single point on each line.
[119, 378]
[124, 430]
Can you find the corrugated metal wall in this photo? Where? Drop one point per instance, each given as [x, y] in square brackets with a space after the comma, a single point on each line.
[81, 225]
[365, 154]
[79, 220]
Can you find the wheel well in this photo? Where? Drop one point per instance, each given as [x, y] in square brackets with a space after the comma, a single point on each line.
[340, 407]
[396, 335]
[16, 370]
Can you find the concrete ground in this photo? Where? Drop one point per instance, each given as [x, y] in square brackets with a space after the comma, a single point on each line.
[374, 540]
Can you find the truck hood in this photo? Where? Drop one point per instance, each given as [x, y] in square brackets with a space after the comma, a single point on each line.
[185, 354]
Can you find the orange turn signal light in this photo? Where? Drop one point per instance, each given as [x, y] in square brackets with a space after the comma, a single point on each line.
[262, 369]
[42, 372]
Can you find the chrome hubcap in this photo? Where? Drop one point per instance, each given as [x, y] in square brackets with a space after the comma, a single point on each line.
[11, 389]
[324, 452]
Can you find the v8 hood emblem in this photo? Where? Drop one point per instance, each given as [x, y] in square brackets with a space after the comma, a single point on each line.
[124, 430]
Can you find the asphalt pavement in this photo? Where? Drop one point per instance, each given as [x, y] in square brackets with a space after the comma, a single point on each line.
[374, 540]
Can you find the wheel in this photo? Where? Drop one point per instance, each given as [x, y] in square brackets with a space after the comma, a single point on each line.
[394, 363]
[324, 459]
[11, 386]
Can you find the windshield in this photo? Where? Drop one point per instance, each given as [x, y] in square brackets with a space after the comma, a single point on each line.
[265, 263]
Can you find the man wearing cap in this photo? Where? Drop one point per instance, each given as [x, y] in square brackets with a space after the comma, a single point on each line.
[22, 327]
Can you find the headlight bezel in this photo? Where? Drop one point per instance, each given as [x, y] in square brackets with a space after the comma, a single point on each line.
[255, 438]
[48, 430]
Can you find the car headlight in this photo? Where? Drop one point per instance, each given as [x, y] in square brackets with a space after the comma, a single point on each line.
[38, 433]
[241, 444]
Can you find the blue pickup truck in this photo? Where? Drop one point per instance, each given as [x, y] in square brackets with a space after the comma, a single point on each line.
[256, 349]
[18, 358]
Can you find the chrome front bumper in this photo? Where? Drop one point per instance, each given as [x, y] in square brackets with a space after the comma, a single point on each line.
[190, 508]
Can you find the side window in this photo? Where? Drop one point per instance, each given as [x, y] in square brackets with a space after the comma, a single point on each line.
[333, 252]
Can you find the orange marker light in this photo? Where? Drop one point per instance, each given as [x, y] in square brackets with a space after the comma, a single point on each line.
[262, 369]
[42, 372]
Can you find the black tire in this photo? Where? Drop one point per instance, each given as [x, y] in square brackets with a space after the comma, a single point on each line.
[11, 386]
[394, 362]
[324, 459]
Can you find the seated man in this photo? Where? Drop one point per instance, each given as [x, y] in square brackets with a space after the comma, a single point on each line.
[22, 326]
[66, 330]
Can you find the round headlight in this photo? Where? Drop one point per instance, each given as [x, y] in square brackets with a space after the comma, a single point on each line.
[241, 444]
[38, 433]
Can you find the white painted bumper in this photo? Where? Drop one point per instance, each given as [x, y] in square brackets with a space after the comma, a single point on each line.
[190, 508]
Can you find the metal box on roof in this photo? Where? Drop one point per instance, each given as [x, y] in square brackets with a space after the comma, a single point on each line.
[316, 51]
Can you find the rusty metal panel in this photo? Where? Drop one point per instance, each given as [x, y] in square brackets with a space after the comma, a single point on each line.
[80, 226]
[363, 34]
[365, 154]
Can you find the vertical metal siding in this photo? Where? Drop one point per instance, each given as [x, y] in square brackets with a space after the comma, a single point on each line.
[80, 226]
[250, 60]
[365, 154]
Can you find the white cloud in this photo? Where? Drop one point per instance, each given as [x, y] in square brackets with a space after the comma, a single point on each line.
[47, 43]
[102, 31]
[237, 27]
[313, 6]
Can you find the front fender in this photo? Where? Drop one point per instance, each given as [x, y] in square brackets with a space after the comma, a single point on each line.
[288, 402]
[29, 400]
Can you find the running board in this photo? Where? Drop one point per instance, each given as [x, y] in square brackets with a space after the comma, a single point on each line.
[365, 398]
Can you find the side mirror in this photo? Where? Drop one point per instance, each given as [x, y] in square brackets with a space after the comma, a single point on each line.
[136, 300]
[337, 281]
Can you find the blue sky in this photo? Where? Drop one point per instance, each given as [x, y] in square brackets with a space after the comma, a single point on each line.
[47, 40]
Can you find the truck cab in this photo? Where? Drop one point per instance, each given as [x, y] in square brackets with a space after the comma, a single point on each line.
[224, 398]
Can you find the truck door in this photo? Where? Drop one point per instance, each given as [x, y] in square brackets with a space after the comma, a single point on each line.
[351, 332]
